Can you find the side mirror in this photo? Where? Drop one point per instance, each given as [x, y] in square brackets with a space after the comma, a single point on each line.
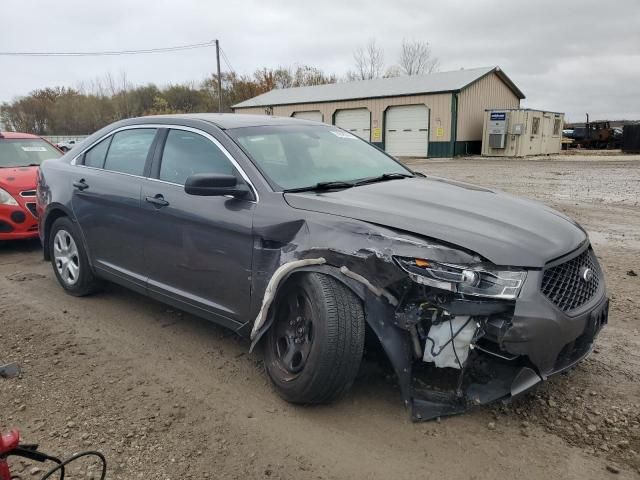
[214, 185]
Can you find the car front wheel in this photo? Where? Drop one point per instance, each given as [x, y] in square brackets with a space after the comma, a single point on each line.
[314, 348]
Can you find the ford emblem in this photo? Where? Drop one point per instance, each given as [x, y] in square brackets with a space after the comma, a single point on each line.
[586, 274]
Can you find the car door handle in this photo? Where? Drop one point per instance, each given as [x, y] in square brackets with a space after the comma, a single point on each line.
[158, 201]
[81, 184]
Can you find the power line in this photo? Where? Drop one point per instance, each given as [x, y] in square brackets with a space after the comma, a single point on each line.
[110, 52]
[226, 60]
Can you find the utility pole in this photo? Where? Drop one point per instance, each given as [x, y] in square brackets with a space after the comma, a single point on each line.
[219, 77]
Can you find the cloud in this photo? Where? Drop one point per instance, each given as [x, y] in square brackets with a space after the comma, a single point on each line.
[573, 56]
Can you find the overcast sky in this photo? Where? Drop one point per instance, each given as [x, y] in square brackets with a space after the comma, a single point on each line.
[572, 56]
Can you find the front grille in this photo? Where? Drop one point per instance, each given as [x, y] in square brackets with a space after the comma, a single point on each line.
[565, 286]
[28, 193]
[32, 208]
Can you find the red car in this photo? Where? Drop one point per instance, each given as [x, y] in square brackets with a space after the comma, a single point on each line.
[20, 156]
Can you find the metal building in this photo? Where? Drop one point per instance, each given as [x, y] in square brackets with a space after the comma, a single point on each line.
[521, 132]
[435, 115]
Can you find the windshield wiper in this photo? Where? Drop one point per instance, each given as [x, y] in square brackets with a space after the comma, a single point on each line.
[320, 186]
[384, 177]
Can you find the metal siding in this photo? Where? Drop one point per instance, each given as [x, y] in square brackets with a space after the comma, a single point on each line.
[488, 92]
[250, 111]
[439, 106]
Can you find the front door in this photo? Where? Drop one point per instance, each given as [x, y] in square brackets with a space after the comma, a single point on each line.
[199, 249]
[106, 203]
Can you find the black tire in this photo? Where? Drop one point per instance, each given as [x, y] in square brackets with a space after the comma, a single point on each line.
[333, 344]
[85, 282]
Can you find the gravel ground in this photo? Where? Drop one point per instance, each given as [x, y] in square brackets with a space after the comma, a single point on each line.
[165, 395]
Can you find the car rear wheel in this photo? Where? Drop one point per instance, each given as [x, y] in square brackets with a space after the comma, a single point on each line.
[314, 348]
[69, 259]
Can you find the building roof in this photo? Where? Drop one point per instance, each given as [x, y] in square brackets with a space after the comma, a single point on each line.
[380, 87]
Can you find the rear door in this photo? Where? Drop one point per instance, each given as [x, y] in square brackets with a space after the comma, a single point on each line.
[199, 249]
[106, 203]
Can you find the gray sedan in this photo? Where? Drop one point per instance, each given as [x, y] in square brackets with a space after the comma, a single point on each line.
[312, 242]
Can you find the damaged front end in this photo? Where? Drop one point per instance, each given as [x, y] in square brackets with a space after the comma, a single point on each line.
[486, 334]
[457, 330]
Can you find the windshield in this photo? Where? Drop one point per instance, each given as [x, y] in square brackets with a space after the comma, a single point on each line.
[21, 153]
[295, 156]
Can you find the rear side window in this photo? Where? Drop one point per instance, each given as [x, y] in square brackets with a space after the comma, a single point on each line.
[128, 151]
[187, 153]
[95, 156]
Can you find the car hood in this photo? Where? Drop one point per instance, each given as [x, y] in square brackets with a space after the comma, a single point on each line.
[17, 179]
[504, 229]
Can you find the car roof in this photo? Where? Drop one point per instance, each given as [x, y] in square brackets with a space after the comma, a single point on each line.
[229, 120]
[18, 135]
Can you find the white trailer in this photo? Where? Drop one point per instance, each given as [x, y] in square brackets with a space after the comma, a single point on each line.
[521, 132]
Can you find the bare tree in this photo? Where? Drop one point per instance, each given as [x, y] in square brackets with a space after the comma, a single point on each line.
[416, 58]
[393, 71]
[369, 62]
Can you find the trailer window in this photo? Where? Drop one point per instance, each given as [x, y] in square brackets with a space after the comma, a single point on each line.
[556, 126]
[535, 125]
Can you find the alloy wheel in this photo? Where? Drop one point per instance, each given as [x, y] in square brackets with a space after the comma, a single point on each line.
[65, 255]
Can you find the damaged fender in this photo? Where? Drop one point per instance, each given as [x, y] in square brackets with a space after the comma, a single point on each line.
[270, 292]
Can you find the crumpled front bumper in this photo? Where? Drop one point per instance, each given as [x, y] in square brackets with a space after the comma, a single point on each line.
[552, 339]
[536, 342]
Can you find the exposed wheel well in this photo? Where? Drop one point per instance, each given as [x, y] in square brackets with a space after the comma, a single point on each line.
[295, 276]
[51, 217]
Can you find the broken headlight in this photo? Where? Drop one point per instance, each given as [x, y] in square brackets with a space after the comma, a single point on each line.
[475, 280]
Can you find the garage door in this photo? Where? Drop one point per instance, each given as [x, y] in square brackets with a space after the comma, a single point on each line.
[356, 121]
[314, 115]
[407, 131]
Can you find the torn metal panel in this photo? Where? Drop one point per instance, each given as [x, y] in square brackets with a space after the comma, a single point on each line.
[380, 292]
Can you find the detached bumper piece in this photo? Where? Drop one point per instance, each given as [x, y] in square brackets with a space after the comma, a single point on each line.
[469, 352]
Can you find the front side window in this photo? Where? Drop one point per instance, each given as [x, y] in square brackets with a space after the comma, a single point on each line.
[95, 156]
[187, 153]
[24, 153]
[128, 151]
[301, 156]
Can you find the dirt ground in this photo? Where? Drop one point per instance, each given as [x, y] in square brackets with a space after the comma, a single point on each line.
[165, 395]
